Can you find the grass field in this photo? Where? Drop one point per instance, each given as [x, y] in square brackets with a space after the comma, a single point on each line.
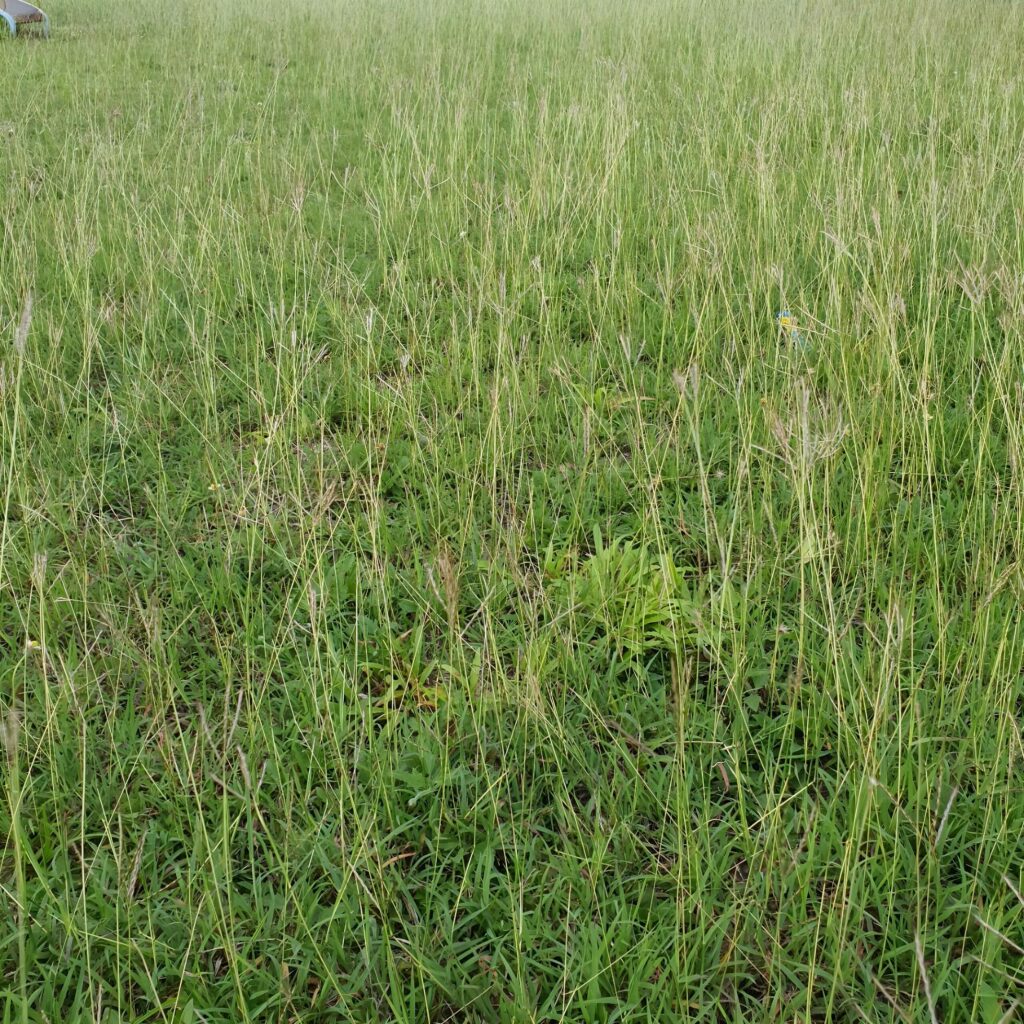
[434, 586]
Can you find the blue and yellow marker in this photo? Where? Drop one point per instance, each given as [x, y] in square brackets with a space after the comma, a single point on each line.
[787, 323]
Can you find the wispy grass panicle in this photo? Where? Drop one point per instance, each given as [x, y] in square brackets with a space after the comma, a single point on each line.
[24, 325]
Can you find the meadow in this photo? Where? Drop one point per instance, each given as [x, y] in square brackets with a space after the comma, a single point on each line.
[434, 584]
